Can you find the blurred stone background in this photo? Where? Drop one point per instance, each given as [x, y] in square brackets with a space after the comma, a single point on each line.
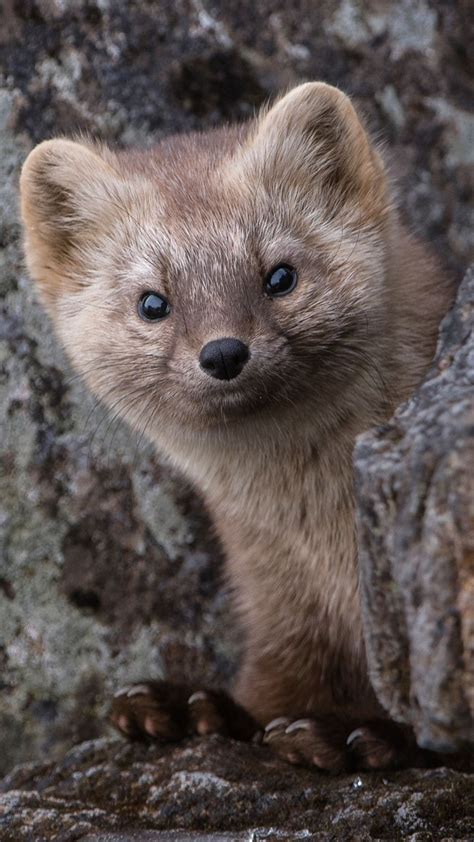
[108, 568]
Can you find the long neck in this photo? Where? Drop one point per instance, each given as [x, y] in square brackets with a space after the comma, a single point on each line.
[286, 520]
[285, 515]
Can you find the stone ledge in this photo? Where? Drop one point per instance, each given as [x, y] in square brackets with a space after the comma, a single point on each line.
[109, 791]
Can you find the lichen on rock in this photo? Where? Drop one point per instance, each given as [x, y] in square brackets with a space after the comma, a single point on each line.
[107, 789]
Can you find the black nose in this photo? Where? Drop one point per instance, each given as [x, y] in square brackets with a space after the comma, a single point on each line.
[224, 358]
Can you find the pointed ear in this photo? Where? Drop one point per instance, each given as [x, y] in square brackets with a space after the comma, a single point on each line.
[312, 140]
[68, 191]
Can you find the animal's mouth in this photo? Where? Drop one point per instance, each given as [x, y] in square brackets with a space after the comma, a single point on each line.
[233, 402]
[230, 402]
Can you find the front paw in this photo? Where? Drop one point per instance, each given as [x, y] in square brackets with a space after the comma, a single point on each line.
[159, 710]
[377, 745]
[335, 745]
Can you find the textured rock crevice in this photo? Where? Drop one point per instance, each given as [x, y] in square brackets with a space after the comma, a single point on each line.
[415, 487]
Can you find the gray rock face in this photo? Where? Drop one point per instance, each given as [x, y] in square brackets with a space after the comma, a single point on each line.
[415, 486]
[215, 790]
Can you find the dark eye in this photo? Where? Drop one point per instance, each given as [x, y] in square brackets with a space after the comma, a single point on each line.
[153, 306]
[281, 280]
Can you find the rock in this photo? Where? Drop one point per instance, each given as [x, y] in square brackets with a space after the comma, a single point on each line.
[107, 568]
[216, 790]
[415, 490]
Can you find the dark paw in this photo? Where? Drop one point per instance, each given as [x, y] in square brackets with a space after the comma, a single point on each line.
[376, 746]
[158, 710]
[334, 745]
[307, 742]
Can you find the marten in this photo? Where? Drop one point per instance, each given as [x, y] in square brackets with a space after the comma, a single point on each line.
[249, 299]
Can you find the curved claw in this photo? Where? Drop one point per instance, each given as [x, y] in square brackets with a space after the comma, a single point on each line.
[355, 735]
[276, 723]
[199, 696]
[299, 725]
[133, 690]
[138, 690]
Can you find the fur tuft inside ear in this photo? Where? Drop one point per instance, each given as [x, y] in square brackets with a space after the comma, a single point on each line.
[312, 140]
[67, 194]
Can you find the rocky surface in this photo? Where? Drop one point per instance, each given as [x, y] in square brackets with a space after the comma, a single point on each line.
[107, 568]
[103, 789]
[415, 486]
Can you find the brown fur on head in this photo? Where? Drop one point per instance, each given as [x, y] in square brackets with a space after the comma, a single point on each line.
[202, 220]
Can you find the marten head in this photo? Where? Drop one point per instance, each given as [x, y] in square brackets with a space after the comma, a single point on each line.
[220, 277]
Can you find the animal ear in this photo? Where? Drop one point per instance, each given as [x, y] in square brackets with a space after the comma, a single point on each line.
[312, 140]
[68, 192]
